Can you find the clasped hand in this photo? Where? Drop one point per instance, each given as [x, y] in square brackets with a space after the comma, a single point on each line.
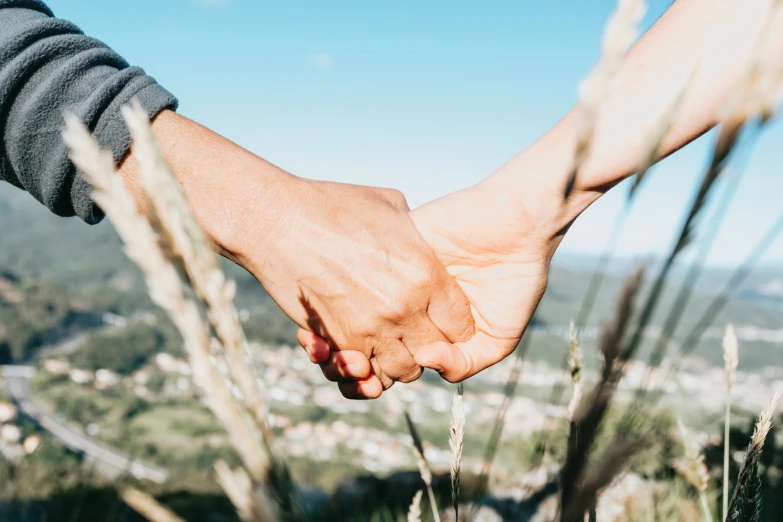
[450, 286]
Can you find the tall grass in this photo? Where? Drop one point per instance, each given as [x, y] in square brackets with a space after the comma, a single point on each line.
[746, 502]
[695, 471]
[456, 443]
[184, 278]
[148, 507]
[414, 511]
[731, 360]
[622, 29]
[421, 462]
[156, 252]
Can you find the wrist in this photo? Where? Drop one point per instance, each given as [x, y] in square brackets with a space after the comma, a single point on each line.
[533, 182]
[235, 196]
[245, 215]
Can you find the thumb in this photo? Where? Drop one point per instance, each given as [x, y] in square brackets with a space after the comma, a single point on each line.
[449, 309]
[457, 362]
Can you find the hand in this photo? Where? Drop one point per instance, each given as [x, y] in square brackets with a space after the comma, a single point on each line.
[498, 245]
[347, 263]
[343, 261]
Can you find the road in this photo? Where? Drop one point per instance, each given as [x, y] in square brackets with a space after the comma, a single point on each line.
[19, 391]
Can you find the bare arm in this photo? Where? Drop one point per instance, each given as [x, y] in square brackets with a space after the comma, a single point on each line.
[343, 261]
[717, 37]
[498, 237]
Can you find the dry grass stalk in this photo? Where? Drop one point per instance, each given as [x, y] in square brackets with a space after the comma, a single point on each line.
[746, 102]
[685, 237]
[577, 493]
[163, 282]
[456, 443]
[146, 248]
[621, 30]
[598, 476]
[693, 469]
[509, 390]
[763, 425]
[414, 511]
[731, 360]
[250, 502]
[659, 133]
[743, 105]
[735, 281]
[422, 464]
[758, 92]
[745, 503]
[575, 367]
[194, 253]
[730, 355]
[148, 507]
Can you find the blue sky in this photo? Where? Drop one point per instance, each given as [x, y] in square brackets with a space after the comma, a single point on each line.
[427, 97]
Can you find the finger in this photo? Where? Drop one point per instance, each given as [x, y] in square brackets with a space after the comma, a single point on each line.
[386, 381]
[370, 388]
[316, 347]
[346, 366]
[449, 310]
[457, 362]
[396, 370]
[392, 361]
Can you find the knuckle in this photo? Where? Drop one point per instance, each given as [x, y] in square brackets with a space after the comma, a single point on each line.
[412, 375]
[421, 272]
[397, 311]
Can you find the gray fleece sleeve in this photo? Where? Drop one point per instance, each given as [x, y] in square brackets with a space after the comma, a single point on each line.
[49, 67]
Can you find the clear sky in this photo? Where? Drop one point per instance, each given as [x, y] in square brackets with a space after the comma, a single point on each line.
[424, 96]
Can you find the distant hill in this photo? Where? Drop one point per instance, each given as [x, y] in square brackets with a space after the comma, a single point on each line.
[89, 262]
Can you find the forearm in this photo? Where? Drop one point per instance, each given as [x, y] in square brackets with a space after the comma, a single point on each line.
[227, 187]
[716, 39]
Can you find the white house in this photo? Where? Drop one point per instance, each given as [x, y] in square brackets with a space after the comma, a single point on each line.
[10, 433]
[7, 412]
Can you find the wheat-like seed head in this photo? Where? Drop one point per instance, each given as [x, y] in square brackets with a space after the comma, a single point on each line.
[693, 469]
[164, 285]
[424, 469]
[745, 502]
[456, 442]
[575, 366]
[730, 355]
[621, 30]
[414, 511]
[194, 252]
[763, 424]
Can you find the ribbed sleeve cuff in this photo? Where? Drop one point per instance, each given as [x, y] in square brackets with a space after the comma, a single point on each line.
[112, 133]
